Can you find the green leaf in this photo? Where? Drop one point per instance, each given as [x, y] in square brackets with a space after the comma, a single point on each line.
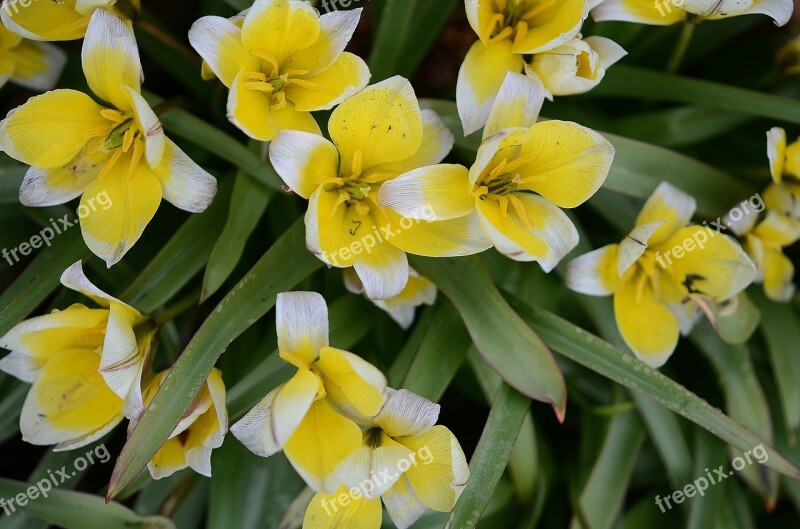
[491, 456]
[248, 204]
[181, 258]
[648, 85]
[10, 181]
[40, 278]
[505, 342]
[710, 453]
[614, 364]
[429, 19]
[396, 22]
[75, 510]
[285, 264]
[780, 326]
[739, 319]
[10, 408]
[602, 498]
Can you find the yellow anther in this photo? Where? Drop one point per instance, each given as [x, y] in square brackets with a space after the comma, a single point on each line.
[260, 87]
[112, 115]
[497, 171]
[255, 76]
[519, 162]
[136, 158]
[522, 32]
[519, 208]
[127, 139]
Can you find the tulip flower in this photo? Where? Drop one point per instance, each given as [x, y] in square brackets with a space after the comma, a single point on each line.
[509, 30]
[666, 12]
[77, 147]
[308, 416]
[524, 174]
[377, 135]
[85, 365]
[404, 458]
[201, 430]
[284, 62]
[662, 273]
[61, 19]
[27, 63]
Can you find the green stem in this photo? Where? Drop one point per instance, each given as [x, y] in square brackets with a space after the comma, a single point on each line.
[682, 46]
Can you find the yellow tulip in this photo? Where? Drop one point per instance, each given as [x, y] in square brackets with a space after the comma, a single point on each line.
[76, 147]
[401, 308]
[201, 430]
[377, 135]
[307, 417]
[404, 458]
[281, 63]
[34, 65]
[62, 19]
[509, 30]
[85, 365]
[524, 174]
[662, 273]
[666, 12]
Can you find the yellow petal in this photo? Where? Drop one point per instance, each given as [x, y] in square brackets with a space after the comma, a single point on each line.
[479, 81]
[69, 404]
[37, 65]
[778, 230]
[110, 233]
[778, 273]
[595, 273]
[50, 187]
[437, 142]
[336, 30]
[208, 431]
[669, 205]
[345, 77]
[302, 323]
[448, 238]
[551, 235]
[407, 414]
[419, 291]
[402, 504]
[110, 59]
[383, 122]
[249, 110]
[343, 510]
[304, 161]
[320, 444]
[27, 133]
[439, 471]
[553, 26]
[154, 138]
[658, 13]
[437, 192]
[44, 20]
[185, 184]
[280, 27]
[518, 104]
[35, 341]
[170, 458]
[289, 118]
[571, 162]
[351, 381]
[327, 225]
[375, 463]
[219, 42]
[783, 198]
[384, 268]
[776, 152]
[647, 325]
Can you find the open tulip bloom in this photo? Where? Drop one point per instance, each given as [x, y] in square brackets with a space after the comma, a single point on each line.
[60, 19]
[666, 12]
[308, 416]
[377, 135]
[85, 366]
[76, 147]
[404, 458]
[524, 173]
[662, 273]
[34, 65]
[283, 62]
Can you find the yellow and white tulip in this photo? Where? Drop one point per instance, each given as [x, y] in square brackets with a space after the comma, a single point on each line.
[406, 459]
[281, 62]
[85, 365]
[662, 273]
[667, 12]
[575, 67]
[509, 30]
[27, 63]
[201, 430]
[61, 19]
[377, 135]
[77, 147]
[524, 174]
[307, 417]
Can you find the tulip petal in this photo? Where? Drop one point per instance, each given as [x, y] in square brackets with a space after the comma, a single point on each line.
[653, 12]
[778, 274]
[437, 192]
[219, 42]
[44, 20]
[776, 152]
[669, 205]
[479, 81]
[249, 110]
[407, 414]
[518, 104]
[383, 270]
[170, 458]
[37, 65]
[280, 27]
[632, 248]
[184, 184]
[327, 512]
[351, 381]
[595, 273]
[553, 27]
[304, 161]
[27, 133]
[111, 59]
[778, 229]
[437, 142]
[289, 118]
[449, 238]
[302, 323]
[402, 504]
[336, 30]
[347, 76]
[326, 228]
[379, 455]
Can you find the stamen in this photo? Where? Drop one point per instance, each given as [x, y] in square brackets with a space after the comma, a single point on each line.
[264, 56]
[296, 73]
[344, 196]
[127, 139]
[358, 163]
[138, 151]
[522, 32]
[306, 84]
[110, 164]
[519, 162]
[260, 87]
[497, 171]
[255, 76]
[481, 192]
[112, 115]
[519, 208]
[503, 201]
[496, 20]
[503, 35]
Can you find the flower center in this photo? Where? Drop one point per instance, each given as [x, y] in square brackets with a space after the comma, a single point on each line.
[121, 136]
[373, 438]
[272, 79]
[513, 18]
[502, 184]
